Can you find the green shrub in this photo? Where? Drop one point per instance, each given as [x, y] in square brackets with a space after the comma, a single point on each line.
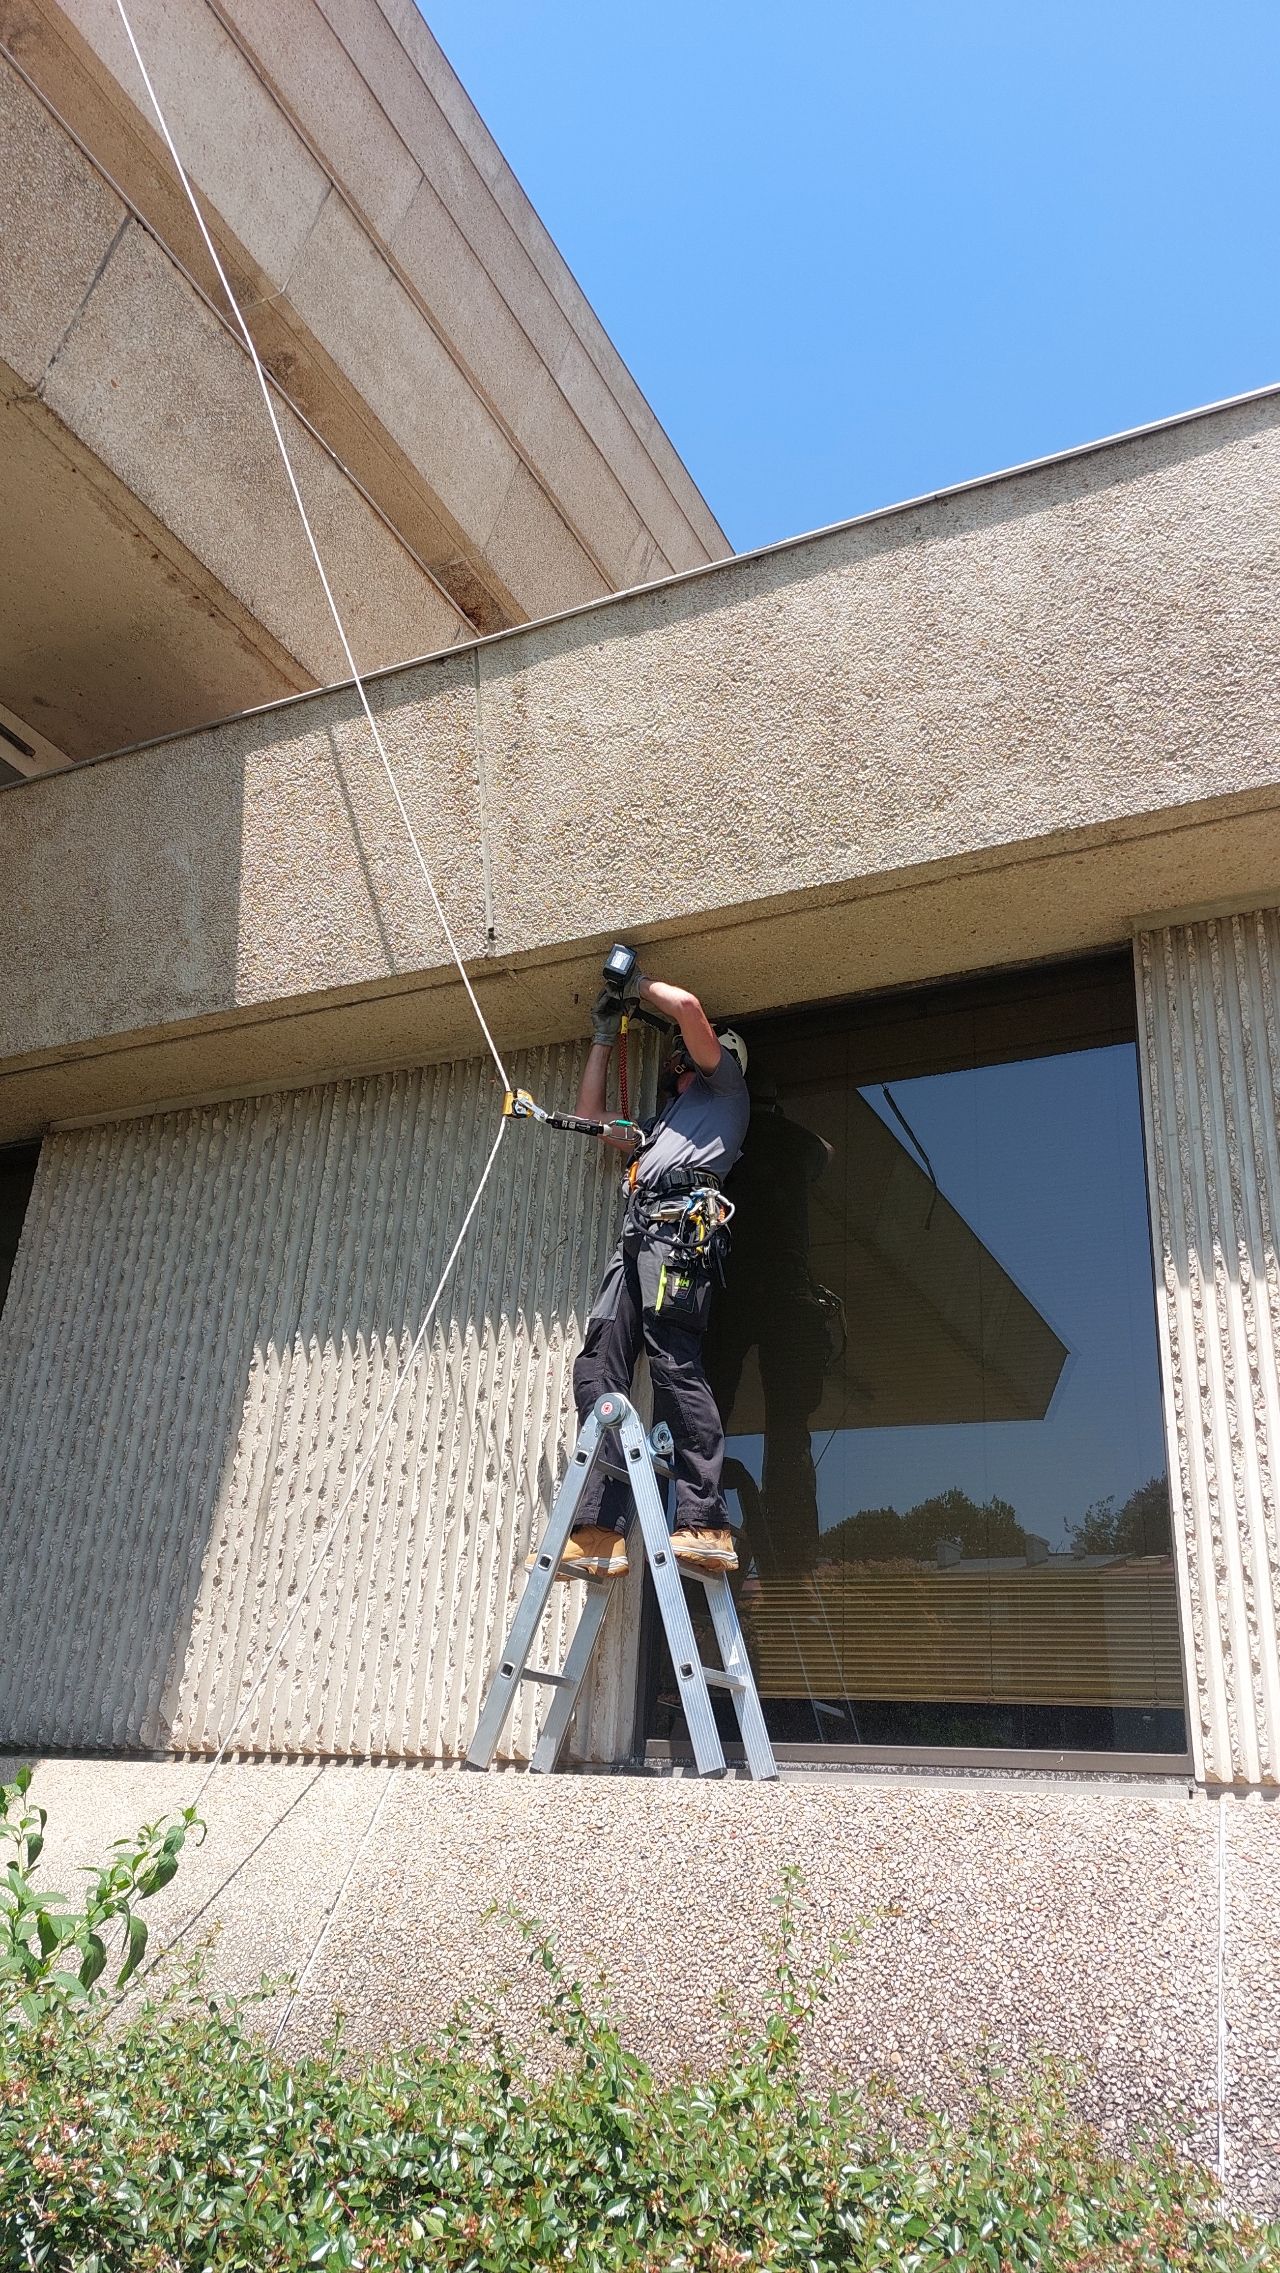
[179, 2143]
[51, 1953]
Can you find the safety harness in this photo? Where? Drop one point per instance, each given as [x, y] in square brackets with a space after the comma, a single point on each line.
[686, 1207]
[691, 1216]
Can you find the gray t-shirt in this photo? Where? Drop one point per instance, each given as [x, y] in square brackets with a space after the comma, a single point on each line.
[701, 1128]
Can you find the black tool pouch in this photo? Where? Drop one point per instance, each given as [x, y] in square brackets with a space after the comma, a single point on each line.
[675, 1291]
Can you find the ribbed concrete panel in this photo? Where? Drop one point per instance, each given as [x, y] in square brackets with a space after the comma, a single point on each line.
[209, 1318]
[1211, 1028]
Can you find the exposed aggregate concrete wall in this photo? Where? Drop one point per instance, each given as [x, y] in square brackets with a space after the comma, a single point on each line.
[206, 1347]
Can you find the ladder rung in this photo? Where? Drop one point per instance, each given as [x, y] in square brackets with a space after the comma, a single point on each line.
[537, 1673]
[581, 1578]
[715, 1679]
[659, 1466]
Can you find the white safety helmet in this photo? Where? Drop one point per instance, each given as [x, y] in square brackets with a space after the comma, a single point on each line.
[731, 1040]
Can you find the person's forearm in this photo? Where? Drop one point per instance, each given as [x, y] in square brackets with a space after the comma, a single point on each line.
[670, 1002]
[591, 1097]
[591, 1093]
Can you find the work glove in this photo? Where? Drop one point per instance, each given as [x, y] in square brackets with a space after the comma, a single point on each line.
[606, 1018]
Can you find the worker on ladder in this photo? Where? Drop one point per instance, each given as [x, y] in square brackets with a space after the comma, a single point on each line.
[658, 1288]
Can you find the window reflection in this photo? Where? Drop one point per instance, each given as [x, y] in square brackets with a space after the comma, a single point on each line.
[936, 1356]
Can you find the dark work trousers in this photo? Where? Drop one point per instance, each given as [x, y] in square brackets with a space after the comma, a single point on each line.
[634, 1311]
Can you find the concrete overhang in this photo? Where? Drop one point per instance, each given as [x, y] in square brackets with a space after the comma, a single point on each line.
[473, 451]
[985, 728]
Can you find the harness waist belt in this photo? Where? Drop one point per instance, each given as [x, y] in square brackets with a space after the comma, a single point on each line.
[677, 1180]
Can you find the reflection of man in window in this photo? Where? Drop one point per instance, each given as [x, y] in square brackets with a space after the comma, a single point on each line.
[773, 1305]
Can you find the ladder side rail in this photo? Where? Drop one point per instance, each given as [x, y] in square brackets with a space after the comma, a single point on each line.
[555, 1728]
[516, 1649]
[737, 1665]
[695, 1697]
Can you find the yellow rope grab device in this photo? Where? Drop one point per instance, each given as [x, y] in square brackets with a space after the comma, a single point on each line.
[520, 1105]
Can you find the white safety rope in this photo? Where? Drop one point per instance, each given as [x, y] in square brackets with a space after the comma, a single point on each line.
[329, 1914]
[1222, 1989]
[357, 681]
[405, 1371]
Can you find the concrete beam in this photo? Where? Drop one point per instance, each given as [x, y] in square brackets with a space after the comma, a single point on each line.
[26, 750]
[997, 725]
[162, 572]
[400, 287]
[110, 623]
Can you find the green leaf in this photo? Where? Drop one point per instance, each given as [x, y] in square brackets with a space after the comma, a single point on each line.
[95, 1957]
[159, 1875]
[133, 1955]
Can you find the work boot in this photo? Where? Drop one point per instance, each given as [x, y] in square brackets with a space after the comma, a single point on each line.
[591, 1552]
[710, 1551]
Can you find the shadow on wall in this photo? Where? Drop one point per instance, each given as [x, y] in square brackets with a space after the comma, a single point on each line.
[17, 1175]
[206, 1319]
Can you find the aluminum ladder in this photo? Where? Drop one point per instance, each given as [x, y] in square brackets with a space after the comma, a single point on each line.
[613, 1437]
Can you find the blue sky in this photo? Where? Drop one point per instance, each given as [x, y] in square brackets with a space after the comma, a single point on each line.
[854, 250]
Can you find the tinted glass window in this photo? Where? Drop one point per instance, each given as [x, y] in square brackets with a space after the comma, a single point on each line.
[937, 1359]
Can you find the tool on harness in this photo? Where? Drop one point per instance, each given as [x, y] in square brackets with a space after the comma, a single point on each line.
[519, 1105]
[698, 1237]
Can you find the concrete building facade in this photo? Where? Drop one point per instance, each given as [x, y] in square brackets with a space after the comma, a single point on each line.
[835, 705]
[473, 450]
[969, 811]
